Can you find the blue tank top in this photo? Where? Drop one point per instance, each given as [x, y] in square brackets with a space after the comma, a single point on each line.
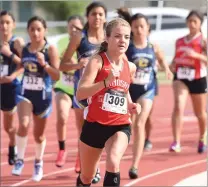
[35, 78]
[85, 49]
[145, 61]
[7, 66]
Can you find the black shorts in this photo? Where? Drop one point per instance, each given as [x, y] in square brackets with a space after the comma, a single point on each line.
[8, 96]
[139, 91]
[95, 134]
[196, 86]
[56, 90]
[60, 90]
[42, 107]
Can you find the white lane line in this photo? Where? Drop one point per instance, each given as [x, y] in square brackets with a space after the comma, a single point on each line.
[165, 171]
[101, 162]
[199, 179]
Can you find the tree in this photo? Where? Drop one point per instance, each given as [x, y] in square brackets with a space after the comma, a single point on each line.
[61, 10]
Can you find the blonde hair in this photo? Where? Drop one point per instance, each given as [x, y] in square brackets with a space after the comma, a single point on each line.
[109, 27]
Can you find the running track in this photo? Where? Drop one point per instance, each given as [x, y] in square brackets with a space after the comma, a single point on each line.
[157, 168]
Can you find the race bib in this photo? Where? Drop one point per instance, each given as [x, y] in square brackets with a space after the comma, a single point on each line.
[33, 83]
[142, 77]
[4, 70]
[116, 103]
[67, 79]
[186, 73]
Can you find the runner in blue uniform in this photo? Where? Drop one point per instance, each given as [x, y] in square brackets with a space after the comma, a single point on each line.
[143, 89]
[9, 82]
[86, 43]
[41, 62]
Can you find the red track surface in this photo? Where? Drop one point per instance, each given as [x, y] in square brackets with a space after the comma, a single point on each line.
[157, 168]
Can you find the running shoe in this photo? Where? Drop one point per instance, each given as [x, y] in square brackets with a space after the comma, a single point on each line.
[202, 146]
[147, 145]
[97, 177]
[61, 158]
[18, 166]
[77, 165]
[133, 173]
[38, 171]
[175, 147]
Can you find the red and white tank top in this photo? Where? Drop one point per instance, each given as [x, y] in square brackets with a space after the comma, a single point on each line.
[188, 67]
[109, 106]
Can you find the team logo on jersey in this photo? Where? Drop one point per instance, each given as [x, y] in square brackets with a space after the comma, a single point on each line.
[71, 73]
[142, 62]
[119, 83]
[32, 67]
[184, 49]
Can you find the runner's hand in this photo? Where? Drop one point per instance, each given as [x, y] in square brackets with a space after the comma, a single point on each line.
[5, 49]
[113, 74]
[41, 58]
[135, 108]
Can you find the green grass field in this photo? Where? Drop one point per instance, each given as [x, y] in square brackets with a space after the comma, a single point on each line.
[62, 44]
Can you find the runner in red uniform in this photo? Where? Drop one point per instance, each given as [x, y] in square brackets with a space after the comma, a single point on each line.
[99, 108]
[190, 63]
[105, 83]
